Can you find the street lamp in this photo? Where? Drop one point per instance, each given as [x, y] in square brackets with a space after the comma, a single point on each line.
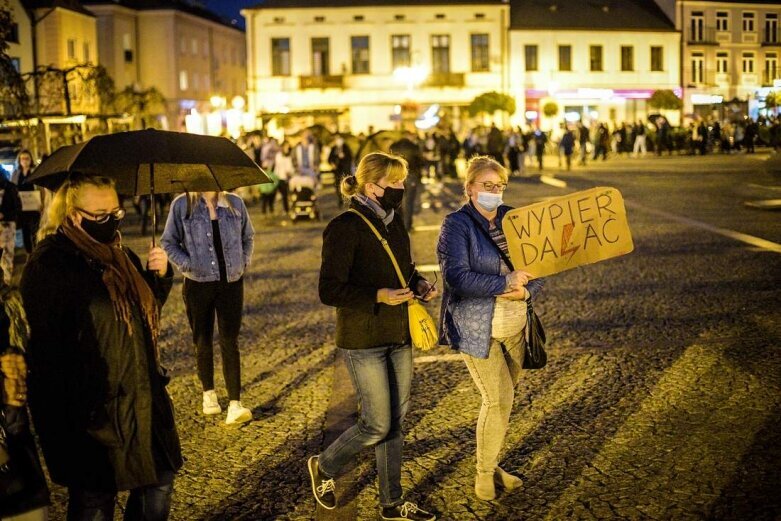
[412, 76]
[218, 102]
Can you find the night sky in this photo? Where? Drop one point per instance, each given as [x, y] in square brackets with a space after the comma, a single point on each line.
[230, 8]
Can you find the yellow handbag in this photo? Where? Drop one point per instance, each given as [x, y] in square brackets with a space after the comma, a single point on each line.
[422, 327]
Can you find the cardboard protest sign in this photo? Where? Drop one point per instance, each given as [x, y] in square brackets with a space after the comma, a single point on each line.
[568, 231]
[31, 201]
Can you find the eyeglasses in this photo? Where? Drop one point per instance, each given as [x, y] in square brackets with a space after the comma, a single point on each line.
[490, 186]
[102, 218]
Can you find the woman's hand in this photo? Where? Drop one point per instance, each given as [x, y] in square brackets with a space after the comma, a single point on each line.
[394, 297]
[515, 294]
[426, 290]
[157, 261]
[518, 278]
[14, 379]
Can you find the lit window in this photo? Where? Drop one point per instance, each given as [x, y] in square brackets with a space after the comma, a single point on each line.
[360, 52]
[400, 43]
[280, 56]
[480, 53]
[183, 80]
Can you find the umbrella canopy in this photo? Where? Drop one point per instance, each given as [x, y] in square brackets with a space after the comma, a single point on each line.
[378, 142]
[154, 161]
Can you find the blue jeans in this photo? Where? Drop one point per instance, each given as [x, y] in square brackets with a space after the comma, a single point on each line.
[381, 377]
[150, 503]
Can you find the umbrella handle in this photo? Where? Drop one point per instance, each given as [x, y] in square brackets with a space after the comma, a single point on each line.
[152, 202]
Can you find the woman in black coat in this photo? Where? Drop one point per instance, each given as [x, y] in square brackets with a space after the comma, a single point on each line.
[97, 390]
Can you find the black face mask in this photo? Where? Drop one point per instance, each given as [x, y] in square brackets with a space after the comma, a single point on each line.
[391, 198]
[101, 232]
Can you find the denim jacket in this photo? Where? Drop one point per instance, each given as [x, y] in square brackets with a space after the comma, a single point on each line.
[471, 268]
[189, 243]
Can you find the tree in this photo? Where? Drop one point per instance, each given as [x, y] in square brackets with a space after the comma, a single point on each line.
[665, 99]
[83, 84]
[550, 109]
[490, 102]
[142, 104]
[14, 99]
[773, 100]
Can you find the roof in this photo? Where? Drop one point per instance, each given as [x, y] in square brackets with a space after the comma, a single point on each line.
[281, 4]
[71, 5]
[644, 15]
[185, 6]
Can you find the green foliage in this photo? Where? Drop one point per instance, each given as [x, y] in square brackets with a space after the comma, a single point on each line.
[14, 100]
[773, 99]
[143, 104]
[665, 99]
[490, 102]
[550, 109]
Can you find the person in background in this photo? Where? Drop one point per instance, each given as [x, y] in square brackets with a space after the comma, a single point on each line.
[307, 156]
[268, 193]
[540, 138]
[284, 170]
[97, 389]
[209, 237]
[24, 495]
[640, 144]
[30, 217]
[484, 311]
[567, 146]
[409, 148]
[341, 160]
[583, 141]
[358, 278]
[10, 211]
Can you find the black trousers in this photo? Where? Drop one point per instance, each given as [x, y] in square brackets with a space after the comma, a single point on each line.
[31, 221]
[150, 503]
[202, 301]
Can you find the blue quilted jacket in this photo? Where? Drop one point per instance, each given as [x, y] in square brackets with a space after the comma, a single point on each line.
[471, 268]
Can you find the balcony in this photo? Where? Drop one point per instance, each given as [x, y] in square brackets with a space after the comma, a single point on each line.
[769, 76]
[321, 82]
[445, 79]
[771, 37]
[701, 36]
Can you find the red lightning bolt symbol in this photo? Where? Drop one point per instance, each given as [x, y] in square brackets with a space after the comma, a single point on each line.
[566, 234]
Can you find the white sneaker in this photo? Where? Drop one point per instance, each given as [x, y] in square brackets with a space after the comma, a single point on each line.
[237, 413]
[210, 403]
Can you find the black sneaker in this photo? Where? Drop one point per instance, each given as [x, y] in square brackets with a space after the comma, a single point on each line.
[406, 511]
[322, 487]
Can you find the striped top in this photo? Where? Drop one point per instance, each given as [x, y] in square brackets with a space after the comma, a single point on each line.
[509, 315]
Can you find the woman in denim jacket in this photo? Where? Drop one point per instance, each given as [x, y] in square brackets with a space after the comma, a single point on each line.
[209, 237]
[484, 311]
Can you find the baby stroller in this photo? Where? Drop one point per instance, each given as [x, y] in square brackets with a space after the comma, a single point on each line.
[303, 201]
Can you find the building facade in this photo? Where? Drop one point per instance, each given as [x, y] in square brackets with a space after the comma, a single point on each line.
[731, 55]
[20, 42]
[195, 59]
[585, 60]
[374, 64]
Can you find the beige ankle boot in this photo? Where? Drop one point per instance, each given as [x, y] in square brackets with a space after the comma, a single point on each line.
[485, 488]
[506, 480]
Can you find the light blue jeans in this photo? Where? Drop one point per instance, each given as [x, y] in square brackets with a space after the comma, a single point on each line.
[381, 377]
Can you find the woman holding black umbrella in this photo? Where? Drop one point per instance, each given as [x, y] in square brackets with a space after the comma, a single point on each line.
[96, 388]
[209, 237]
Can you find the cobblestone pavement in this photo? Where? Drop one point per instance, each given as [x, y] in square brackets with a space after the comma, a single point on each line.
[661, 399]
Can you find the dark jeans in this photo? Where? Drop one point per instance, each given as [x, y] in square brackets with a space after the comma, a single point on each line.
[381, 377]
[283, 193]
[267, 202]
[202, 300]
[31, 221]
[149, 503]
[410, 202]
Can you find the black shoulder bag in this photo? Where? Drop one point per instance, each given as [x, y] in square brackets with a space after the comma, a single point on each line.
[535, 356]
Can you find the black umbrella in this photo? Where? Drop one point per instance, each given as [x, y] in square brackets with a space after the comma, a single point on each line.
[146, 162]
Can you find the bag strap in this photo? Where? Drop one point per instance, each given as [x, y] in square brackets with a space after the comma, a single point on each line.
[487, 235]
[384, 245]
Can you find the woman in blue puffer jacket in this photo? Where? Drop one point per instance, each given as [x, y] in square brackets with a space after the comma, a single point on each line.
[484, 311]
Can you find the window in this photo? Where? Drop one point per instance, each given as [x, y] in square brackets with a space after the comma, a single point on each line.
[480, 55]
[280, 56]
[440, 53]
[401, 53]
[530, 52]
[206, 82]
[279, 19]
[320, 57]
[194, 46]
[182, 45]
[771, 28]
[71, 49]
[86, 52]
[748, 63]
[697, 26]
[439, 16]
[399, 17]
[698, 67]
[657, 58]
[722, 62]
[627, 58]
[360, 45]
[183, 80]
[128, 54]
[595, 58]
[565, 57]
[480, 16]
[16, 64]
[771, 67]
[748, 22]
[13, 33]
[358, 18]
[319, 19]
[205, 48]
[722, 21]
[196, 83]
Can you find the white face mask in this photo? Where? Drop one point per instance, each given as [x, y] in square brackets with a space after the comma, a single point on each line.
[489, 201]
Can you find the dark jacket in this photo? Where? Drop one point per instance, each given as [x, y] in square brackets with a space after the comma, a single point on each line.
[354, 267]
[471, 268]
[342, 166]
[11, 205]
[97, 397]
[410, 151]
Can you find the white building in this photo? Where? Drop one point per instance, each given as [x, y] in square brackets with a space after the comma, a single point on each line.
[593, 59]
[731, 54]
[372, 63]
